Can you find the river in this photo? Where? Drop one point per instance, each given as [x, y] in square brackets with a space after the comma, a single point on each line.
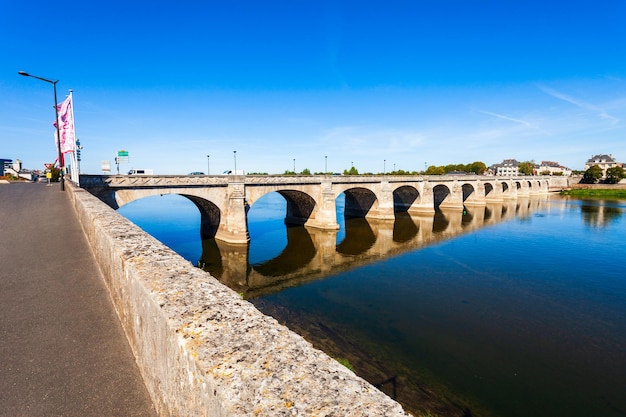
[516, 309]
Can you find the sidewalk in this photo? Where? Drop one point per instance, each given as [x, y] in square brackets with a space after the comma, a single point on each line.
[62, 349]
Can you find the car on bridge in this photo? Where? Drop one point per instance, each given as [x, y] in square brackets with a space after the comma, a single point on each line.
[140, 172]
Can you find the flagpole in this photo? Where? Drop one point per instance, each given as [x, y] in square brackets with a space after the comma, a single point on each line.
[56, 113]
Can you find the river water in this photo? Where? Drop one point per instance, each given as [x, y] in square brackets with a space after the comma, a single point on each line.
[516, 309]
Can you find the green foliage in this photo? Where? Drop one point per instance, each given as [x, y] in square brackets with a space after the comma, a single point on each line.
[56, 174]
[592, 175]
[526, 167]
[602, 193]
[435, 170]
[477, 167]
[399, 172]
[306, 171]
[615, 175]
[287, 172]
[345, 363]
[352, 171]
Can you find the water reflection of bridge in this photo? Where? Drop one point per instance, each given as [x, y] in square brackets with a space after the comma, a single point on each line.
[313, 253]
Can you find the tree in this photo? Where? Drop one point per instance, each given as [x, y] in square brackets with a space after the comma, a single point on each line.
[56, 174]
[435, 170]
[477, 167]
[352, 171]
[615, 175]
[592, 175]
[526, 167]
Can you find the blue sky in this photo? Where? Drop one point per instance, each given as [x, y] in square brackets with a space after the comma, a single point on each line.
[374, 84]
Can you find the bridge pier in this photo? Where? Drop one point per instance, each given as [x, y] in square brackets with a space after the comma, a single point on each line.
[477, 197]
[385, 209]
[325, 216]
[454, 200]
[233, 226]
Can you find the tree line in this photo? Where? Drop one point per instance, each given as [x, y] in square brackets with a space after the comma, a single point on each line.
[613, 175]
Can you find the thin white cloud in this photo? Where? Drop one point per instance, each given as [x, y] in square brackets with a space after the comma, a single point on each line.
[514, 120]
[580, 103]
[502, 116]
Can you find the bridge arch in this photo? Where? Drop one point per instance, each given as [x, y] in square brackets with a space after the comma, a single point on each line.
[441, 193]
[469, 193]
[359, 202]
[300, 207]
[404, 197]
[210, 216]
[210, 213]
[489, 190]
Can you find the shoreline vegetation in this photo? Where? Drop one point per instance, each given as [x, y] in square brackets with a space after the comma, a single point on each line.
[596, 192]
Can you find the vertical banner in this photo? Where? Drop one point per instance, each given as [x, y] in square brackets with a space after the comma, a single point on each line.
[68, 135]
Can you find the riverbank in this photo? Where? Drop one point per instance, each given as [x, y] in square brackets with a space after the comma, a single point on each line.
[597, 191]
[422, 397]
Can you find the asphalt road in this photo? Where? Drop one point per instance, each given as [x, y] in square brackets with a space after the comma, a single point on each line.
[62, 348]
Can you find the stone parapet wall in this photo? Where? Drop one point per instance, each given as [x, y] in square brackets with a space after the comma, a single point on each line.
[204, 351]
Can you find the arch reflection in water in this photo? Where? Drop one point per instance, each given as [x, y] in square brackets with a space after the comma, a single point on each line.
[312, 254]
[359, 237]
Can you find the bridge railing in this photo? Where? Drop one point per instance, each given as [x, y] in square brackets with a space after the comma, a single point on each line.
[203, 350]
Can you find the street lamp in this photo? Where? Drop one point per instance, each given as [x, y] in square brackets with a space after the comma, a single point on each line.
[384, 166]
[235, 156]
[208, 165]
[56, 112]
[326, 164]
[294, 165]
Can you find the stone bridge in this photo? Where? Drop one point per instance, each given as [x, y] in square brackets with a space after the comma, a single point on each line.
[223, 201]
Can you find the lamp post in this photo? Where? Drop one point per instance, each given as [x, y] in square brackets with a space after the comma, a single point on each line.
[56, 112]
[294, 165]
[208, 165]
[326, 164]
[235, 157]
[384, 166]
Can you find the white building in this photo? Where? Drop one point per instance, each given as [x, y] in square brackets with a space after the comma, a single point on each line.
[508, 168]
[553, 168]
[603, 161]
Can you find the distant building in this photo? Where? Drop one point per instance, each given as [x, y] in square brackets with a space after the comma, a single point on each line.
[603, 161]
[16, 170]
[507, 168]
[554, 168]
[4, 163]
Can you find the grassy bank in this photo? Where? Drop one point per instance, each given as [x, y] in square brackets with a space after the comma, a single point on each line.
[598, 192]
